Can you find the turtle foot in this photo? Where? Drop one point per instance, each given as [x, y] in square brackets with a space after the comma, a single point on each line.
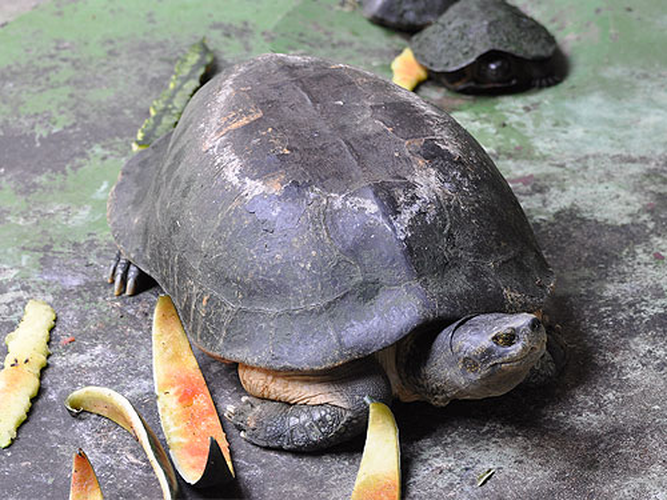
[124, 275]
[296, 427]
[546, 81]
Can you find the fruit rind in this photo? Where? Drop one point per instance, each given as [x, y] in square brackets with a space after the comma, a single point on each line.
[27, 350]
[406, 71]
[379, 476]
[112, 405]
[85, 485]
[166, 110]
[187, 413]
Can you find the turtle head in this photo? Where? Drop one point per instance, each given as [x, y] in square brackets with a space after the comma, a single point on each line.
[497, 72]
[494, 68]
[478, 357]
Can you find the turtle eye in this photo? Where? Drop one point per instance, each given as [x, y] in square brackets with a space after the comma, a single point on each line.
[506, 338]
[494, 68]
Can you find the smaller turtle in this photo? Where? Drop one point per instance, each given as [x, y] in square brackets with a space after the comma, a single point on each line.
[405, 15]
[487, 46]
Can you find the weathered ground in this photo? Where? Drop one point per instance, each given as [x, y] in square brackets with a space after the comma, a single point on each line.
[587, 159]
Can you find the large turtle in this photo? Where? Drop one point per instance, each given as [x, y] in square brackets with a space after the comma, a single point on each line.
[337, 237]
[488, 46]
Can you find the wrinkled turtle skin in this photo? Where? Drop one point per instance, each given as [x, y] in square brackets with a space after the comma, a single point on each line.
[488, 46]
[309, 219]
[405, 15]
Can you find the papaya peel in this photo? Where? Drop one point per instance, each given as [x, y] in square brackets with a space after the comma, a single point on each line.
[379, 476]
[197, 443]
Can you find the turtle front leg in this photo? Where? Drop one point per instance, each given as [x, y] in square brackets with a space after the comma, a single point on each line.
[295, 427]
[124, 275]
[318, 410]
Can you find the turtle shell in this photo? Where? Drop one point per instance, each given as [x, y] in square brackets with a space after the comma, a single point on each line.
[305, 213]
[405, 15]
[471, 28]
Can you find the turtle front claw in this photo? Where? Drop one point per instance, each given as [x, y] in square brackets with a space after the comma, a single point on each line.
[229, 412]
[124, 275]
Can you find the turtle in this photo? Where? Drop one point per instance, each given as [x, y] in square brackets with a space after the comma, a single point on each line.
[488, 46]
[405, 15]
[339, 239]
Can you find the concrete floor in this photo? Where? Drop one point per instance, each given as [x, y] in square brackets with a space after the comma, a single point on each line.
[587, 159]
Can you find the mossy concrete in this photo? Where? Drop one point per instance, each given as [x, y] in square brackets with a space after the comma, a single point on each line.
[587, 159]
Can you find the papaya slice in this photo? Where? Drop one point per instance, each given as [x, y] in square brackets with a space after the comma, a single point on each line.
[27, 350]
[406, 71]
[84, 481]
[166, 110]
[108, 403]
[197, 443]
[379, 476]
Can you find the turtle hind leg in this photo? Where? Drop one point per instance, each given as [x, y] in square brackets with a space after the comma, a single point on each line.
[124, 275]
[295, 427]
